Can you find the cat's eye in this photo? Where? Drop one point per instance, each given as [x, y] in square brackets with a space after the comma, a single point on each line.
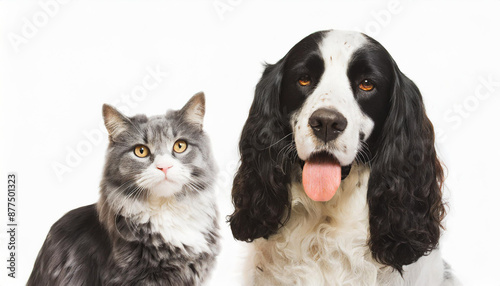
[180, 146]
[305, 80]
[141, 151]
[366, 85]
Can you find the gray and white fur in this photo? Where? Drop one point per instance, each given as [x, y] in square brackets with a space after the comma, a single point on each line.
[156, 220]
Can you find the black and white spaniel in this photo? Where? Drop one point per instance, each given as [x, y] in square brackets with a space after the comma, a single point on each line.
[339, 182]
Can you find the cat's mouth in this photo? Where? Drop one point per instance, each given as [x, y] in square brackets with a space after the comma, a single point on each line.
[159, 184]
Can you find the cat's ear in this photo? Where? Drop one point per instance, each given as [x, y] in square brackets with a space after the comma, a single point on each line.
[194, 110]
[114, 121]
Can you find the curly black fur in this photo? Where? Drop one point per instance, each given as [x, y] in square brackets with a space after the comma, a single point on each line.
[404, 191]
[261, 182]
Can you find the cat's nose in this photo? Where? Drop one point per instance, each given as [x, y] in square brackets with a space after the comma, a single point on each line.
[163, 168]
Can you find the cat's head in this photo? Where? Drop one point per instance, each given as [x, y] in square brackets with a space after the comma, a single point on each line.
[158, 156]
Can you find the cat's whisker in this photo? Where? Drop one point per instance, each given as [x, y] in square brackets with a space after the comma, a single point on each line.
[132, 196]
[116, 195]
[196, 186]
[118, 212]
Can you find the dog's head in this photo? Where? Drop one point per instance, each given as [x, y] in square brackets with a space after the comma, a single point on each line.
[335, 98]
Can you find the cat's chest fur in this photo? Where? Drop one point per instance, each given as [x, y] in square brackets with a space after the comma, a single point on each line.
[186, 223]
[172, 240]
[322, 243]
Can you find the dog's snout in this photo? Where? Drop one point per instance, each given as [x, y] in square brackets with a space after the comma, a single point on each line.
[327, 124]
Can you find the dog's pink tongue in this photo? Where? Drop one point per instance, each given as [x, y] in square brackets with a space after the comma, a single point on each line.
[321, 179]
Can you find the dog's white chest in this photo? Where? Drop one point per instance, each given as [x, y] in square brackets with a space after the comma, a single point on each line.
[322, 243]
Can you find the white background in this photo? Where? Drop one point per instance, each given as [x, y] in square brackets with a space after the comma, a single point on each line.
[60, 64]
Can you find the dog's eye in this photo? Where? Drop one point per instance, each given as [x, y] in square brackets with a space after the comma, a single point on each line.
[141, 151]
[305, 80]
[366, 85]
[180, 146]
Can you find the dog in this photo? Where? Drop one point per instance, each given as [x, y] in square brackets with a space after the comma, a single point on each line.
[339, 181]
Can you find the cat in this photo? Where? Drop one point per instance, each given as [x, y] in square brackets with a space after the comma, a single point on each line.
[155, 222]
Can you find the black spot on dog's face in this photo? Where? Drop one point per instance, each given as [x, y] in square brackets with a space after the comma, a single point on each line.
[372, 63]
[302, 72]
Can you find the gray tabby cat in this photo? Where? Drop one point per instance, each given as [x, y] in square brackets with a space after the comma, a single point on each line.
[156, 220]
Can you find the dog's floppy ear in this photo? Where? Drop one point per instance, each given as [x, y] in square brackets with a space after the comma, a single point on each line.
[260, 187]
[404, 191]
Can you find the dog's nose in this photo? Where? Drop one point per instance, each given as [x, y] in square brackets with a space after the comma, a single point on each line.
[327, 124]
